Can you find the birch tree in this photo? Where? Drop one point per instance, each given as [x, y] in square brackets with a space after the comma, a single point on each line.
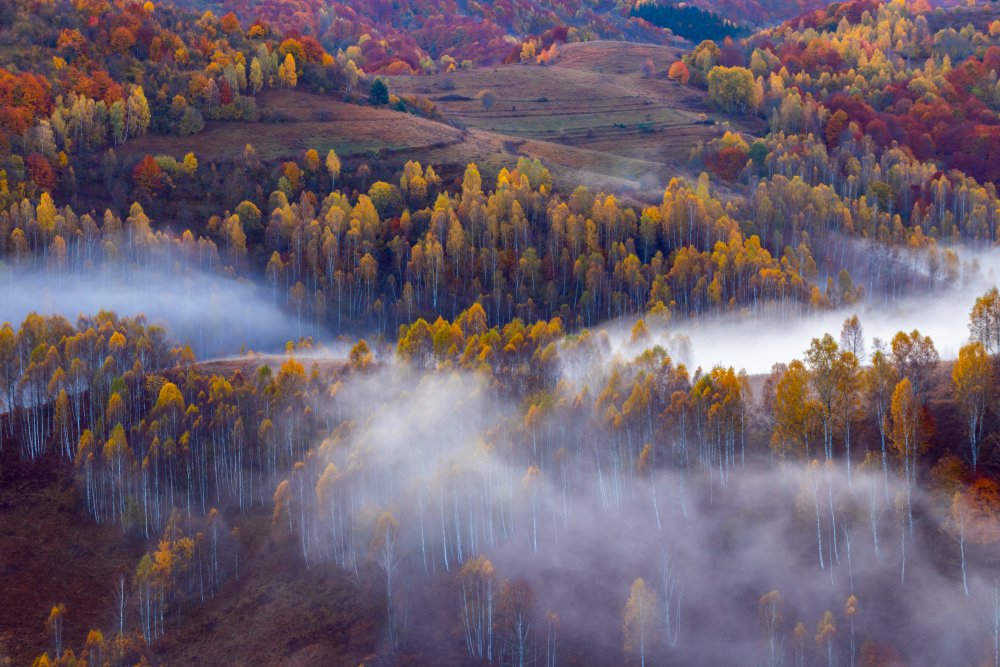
[850, 611]
[971, 378]
[984, 320]
[517, 602]
[826, 632]
[479, 593]
[770, 617]
[907, 438]
[638, 619]
[55, 625]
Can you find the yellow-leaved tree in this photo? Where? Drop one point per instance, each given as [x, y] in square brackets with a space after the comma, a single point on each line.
[971, 379]
[638, 619]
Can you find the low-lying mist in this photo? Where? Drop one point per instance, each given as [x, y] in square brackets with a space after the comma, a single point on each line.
[215, 314]
[755, 342]
[575, 509]
[424, 472]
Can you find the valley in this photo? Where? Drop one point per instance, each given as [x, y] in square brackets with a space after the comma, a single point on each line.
[349, 332]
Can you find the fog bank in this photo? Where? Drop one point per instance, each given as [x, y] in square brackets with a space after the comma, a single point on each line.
[215, 314]
[756, 342]
[557, 502]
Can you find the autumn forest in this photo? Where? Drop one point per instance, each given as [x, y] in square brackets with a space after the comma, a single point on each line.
[535, 332]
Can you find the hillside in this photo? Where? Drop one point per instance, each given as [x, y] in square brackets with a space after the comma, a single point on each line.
[630, 135]
[280, 606]
[45, 528]
[425, 36]
[277, 612]
[433, 332]
[979, 16]
[630, 131]
[430, 35]
[300, 120]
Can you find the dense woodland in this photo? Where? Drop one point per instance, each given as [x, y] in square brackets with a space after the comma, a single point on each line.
[424, 35]
[873, 70]
[687, 21]
[483, 422]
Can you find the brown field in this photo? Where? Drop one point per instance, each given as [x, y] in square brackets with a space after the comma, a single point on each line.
[308, 121]
[591, 118]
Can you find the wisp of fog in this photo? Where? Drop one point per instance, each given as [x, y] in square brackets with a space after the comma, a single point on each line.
[428, 472]
[757, 341]
[217, 315]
